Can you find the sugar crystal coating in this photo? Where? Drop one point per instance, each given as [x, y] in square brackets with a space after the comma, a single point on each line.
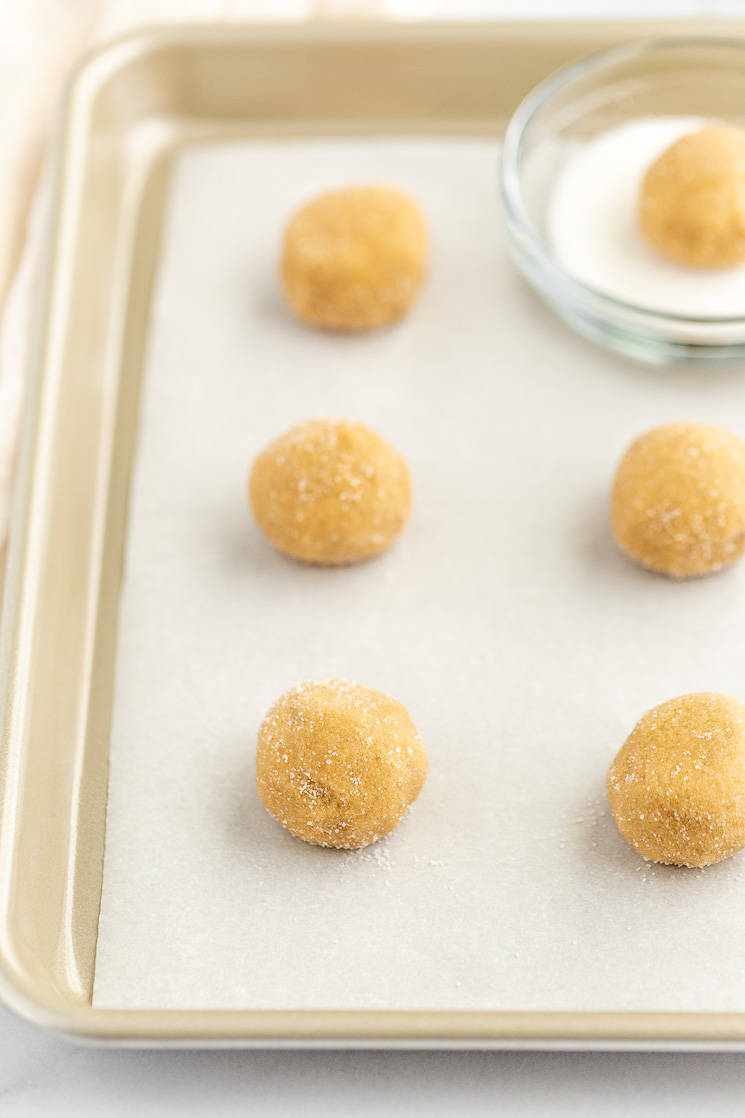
[678, 500]
[692, 206]
[339, 764]
[354, 259]
[330, 491]
[677, 786]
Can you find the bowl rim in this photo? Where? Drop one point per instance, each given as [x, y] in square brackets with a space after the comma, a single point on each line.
[515, 211]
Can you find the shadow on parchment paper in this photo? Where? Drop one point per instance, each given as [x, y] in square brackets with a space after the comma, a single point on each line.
[269, 303]
[249, 828]
[543, 323]
[602, 556]
[596, 546]
[246, 551]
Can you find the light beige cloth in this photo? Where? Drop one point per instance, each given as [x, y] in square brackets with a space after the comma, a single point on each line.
[39, 41]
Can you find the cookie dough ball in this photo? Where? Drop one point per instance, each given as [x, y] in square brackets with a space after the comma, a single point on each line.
[678, 502]
[339, 764]
[330, 491]
[677, 786]
[692, 206]
[354, 259]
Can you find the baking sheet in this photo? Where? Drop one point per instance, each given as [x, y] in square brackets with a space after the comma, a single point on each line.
[524, 645]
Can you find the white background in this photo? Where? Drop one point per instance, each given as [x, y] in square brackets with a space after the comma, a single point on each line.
[40, 1075]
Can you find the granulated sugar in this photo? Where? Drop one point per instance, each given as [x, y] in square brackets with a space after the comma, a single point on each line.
[592, 225]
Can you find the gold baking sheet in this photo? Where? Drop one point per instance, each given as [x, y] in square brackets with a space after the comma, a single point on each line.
[131, 106]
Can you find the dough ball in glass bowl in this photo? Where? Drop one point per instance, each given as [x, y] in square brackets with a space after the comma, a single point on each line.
[692, 206]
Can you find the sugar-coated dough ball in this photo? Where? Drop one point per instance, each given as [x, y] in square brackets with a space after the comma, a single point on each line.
[339, 764]
[330, 491]
[677, 786]
[692, 207]
[354, 259]
[678, 502]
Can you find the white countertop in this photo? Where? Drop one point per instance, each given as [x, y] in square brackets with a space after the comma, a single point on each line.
[42, 1077]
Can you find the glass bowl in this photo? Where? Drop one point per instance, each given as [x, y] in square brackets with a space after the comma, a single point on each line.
[696, 77]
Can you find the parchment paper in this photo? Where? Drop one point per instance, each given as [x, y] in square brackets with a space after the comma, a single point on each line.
[523, 643]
